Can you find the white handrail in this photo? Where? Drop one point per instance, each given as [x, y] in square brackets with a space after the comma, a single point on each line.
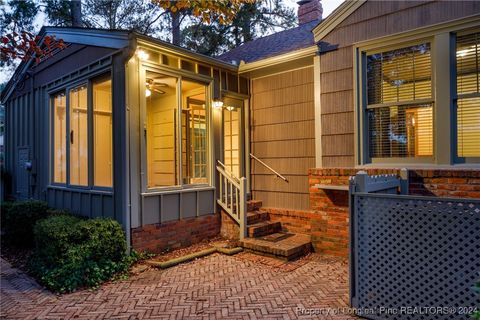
[232, 197]
[269, 168]
[228, 171]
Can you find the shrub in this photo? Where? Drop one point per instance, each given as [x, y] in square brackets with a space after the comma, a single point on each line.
[71, 252]
[18, 219]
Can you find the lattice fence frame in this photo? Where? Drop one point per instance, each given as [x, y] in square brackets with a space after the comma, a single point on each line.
[413, 251]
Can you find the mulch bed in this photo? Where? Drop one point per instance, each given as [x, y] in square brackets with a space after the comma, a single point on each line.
[17, 257]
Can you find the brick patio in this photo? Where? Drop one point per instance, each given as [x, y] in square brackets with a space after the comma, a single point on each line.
[244, 286]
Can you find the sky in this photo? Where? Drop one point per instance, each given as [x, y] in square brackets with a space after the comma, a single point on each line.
[327, 5]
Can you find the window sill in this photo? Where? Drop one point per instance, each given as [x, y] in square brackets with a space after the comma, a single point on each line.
[80, 189]
[183, 189]
[332, 187]
[418, 166]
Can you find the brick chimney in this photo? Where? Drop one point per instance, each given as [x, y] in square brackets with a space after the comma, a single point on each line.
[309, 10]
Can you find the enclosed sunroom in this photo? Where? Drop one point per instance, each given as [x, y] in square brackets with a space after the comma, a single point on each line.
[122, 125]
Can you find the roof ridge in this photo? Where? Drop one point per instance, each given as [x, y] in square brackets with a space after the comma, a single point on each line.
[274, 34]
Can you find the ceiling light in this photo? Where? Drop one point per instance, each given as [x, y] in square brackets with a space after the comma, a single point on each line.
[148, 93]
[230, 108]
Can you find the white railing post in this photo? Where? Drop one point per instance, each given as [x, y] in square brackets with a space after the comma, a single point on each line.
[243, 208]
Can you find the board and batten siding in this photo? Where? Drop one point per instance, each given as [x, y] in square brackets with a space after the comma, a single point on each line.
[28, 132]
[372, 20]
[282, 133]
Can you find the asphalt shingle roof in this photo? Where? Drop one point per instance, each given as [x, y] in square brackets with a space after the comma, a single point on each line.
[272, 45]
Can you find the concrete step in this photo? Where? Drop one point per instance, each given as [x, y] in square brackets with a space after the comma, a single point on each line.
[256, 216]
[289, 247]
[253, 205]
[263, 228]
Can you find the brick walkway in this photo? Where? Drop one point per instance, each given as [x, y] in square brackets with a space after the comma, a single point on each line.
[244, 286]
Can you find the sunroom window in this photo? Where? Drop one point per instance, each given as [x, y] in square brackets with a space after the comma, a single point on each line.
[60, 138]
[102, 132]
[79, 113]
[399, 103]
[194, 133]
[162, 154]
[79, 136]
[176, 131]
[468, 95]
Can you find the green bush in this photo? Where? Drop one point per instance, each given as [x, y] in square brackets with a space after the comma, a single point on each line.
[71, 253]
[18, 219]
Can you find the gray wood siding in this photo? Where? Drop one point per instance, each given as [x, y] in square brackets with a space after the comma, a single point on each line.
[28, 133]
[372, 20]
[283, 136]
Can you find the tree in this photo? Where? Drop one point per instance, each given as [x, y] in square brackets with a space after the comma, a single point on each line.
[17, 40]
[221, 11]
[251, 21]
[25, 46]
[236, 20]
[18, 15]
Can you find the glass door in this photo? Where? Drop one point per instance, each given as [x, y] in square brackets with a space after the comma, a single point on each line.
[232, 136]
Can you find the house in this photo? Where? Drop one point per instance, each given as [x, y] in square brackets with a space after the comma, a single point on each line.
[171, 143]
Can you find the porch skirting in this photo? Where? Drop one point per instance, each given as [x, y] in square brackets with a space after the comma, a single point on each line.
[159, 237]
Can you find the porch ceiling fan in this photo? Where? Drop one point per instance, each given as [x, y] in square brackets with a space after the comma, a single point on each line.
[155, 85]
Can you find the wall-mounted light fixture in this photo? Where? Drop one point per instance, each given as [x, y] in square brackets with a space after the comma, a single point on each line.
[142, 55]
[148, 92]
[217, 104]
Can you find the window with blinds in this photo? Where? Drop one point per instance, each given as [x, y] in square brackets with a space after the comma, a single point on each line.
[400, 104]
[468, 95]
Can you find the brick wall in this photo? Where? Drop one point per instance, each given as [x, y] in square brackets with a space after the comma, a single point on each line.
[330, 226]
[296, 221]
[229, 228]
[170, 235]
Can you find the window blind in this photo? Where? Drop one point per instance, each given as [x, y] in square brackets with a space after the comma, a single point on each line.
[400, 76]
[468, 92]
[401, 131]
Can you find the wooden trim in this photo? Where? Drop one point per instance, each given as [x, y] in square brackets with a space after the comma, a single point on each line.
[336, 17]
[318, 111]
[443, 134]
[272, 61]
[418, 33]
[183, 53]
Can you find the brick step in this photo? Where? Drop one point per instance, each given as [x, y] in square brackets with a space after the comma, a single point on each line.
[290, 247]
[256, 216]
[263, 228]
[254, 205]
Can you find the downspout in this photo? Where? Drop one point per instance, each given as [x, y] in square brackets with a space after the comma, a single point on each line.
[128, 53]
[32, 169]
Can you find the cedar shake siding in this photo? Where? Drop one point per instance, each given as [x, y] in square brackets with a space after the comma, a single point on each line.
[283, 136]
[372, 20]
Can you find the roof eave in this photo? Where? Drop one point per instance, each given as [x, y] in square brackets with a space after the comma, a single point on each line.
[115, 40]
[146, 40]
[275, 60]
